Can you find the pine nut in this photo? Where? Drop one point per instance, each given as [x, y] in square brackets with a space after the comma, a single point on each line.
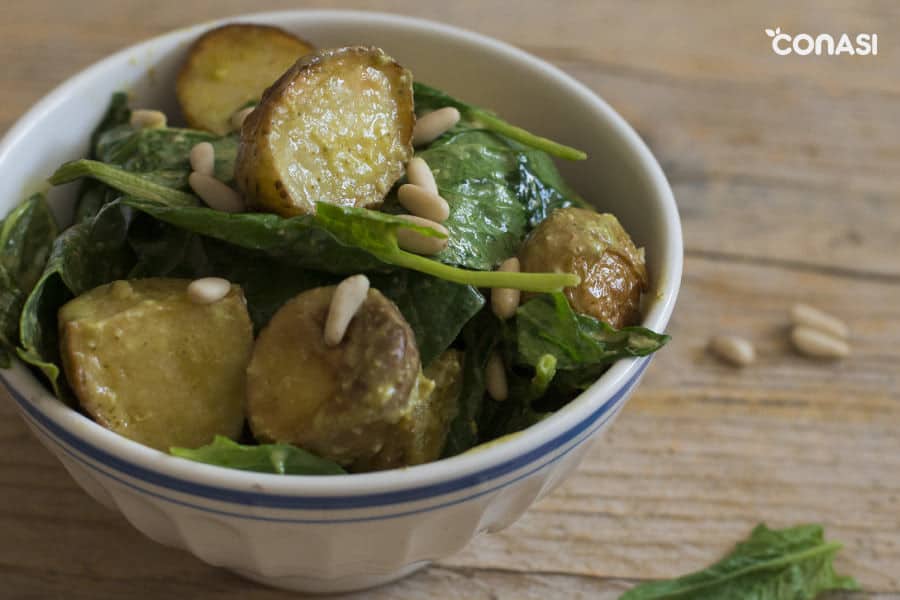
[809, 316]
[208, 290]
[505, 301]
[419, 173]
[414, 241]
[147, 119]
[495, 378]
[732, 349]
[348, 297]
[431, 126]
[216, 194]
[818, 344]
[238, 118]
[423, 203]
[203, 159]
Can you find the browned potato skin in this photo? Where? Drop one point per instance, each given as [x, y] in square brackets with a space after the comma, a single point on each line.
[229, 66]
[149, 364]
[258, 174]
[345, 402]
[595, 247]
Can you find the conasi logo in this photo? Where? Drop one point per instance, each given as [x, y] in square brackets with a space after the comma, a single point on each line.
[864, 44]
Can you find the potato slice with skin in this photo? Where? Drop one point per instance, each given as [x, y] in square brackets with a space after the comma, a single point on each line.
[421, 433]
[232, 65]
[343, 402]
[336, 127]
[597, 248]
[148, 363]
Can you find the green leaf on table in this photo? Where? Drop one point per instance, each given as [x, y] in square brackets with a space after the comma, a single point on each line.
[281, 459]
[581, 344]
[428, 98]
[773, 564]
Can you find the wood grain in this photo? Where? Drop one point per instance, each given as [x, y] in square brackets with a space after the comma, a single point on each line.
[785, 173]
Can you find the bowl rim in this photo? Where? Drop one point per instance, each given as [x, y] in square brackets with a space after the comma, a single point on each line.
[606, 395]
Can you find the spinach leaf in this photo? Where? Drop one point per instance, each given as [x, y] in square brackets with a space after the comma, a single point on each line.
[117, 114]
[435, 309]
[480, 337]
[84, 256]
[541, 188]
[26, 235]
[487, 219]
[337, 240]
[11, 301]
[25, 238]
[582, 345]
[298, 240]
[428, 98]
[281, 459]
[94, 194]
[785, 564]
[518, 411]
[164, 149]
[141, 186]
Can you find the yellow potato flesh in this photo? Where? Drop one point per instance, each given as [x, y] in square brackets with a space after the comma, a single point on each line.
[335, 128]
[147, 363]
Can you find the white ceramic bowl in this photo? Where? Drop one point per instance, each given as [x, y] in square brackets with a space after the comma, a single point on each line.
[328, 534]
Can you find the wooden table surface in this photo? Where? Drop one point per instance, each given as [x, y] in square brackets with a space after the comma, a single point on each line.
[786, 174]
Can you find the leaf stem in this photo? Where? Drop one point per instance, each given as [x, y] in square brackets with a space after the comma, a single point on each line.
[527, 282]
[495, 123]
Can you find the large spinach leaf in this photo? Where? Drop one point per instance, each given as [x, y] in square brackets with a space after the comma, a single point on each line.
[785, 564]
[26, 235]
[474, 171]
[281, 459]
[337, 240]
[155, 186]
[435, 309]
[497, 191]
[583, 346]
[428, 98]
[83, 257]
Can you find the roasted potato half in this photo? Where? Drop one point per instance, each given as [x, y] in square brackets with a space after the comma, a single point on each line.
[597, 248]
[422, 431]
[230, 66]
[344, 402]
[336, 127]
[149, 364]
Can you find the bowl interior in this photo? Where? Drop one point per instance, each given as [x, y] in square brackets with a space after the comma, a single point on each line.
[619, 177]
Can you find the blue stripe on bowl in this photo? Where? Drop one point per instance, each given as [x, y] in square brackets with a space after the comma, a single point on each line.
[278, 501]
[331, 521]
